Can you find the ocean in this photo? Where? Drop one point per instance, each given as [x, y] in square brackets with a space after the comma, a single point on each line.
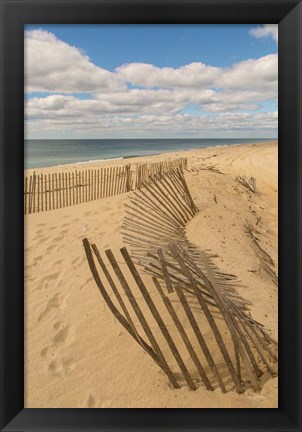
[47, 153]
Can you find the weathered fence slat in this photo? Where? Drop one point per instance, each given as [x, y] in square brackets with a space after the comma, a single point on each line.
[34, 193]
[73, 190]
[30, 194]
[183, 334]
[57, 191]
[158, 318]
[53, 190]
[101, 184]
[60, 190]
[212, 286]
[199, 337]
[38, 193]
[140, 315]
[112, 285]
[90, 185]
[210, 319]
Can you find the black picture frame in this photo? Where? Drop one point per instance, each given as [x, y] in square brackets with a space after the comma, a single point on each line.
[16, 13]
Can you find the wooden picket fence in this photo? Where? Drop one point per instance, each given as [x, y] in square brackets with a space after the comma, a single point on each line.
[43, 192]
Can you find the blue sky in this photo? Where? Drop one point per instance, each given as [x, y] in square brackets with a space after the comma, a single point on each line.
[150, 81]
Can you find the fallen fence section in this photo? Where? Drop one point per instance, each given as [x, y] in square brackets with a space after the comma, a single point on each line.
[212, 336]
[196, 342]
[43, 192]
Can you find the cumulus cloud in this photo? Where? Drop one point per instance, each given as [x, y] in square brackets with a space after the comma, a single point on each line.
[188, 76]
[267, 30]
[139, 102]
[160, 104]
[53, 65]
[259, 73]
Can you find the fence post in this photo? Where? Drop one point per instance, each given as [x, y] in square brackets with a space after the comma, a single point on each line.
[34, 193]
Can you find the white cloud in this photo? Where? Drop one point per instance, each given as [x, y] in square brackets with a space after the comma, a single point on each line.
[267, 30]
[189, 76]
[161, 104]
[54, 66]
[139, 102]
[254, 74]
[222, 124]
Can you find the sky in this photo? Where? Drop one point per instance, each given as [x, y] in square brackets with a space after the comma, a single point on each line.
[151, 81]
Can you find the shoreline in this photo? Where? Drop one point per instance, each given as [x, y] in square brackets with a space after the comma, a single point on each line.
[128, 159]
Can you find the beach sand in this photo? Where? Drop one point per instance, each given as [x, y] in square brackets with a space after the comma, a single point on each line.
[76, 353]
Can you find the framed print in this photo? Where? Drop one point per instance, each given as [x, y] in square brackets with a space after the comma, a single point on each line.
[150, 236]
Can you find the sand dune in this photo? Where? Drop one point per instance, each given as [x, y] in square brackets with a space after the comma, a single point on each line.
[76, 355]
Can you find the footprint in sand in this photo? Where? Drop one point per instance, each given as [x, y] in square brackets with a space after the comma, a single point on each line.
[61, 366]
[48, 278]
[44, 351]
[57, 324]
[65, 336]
[91, 403]
[56, 302]
[36, 260]
[60, 236]
[50, 248]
